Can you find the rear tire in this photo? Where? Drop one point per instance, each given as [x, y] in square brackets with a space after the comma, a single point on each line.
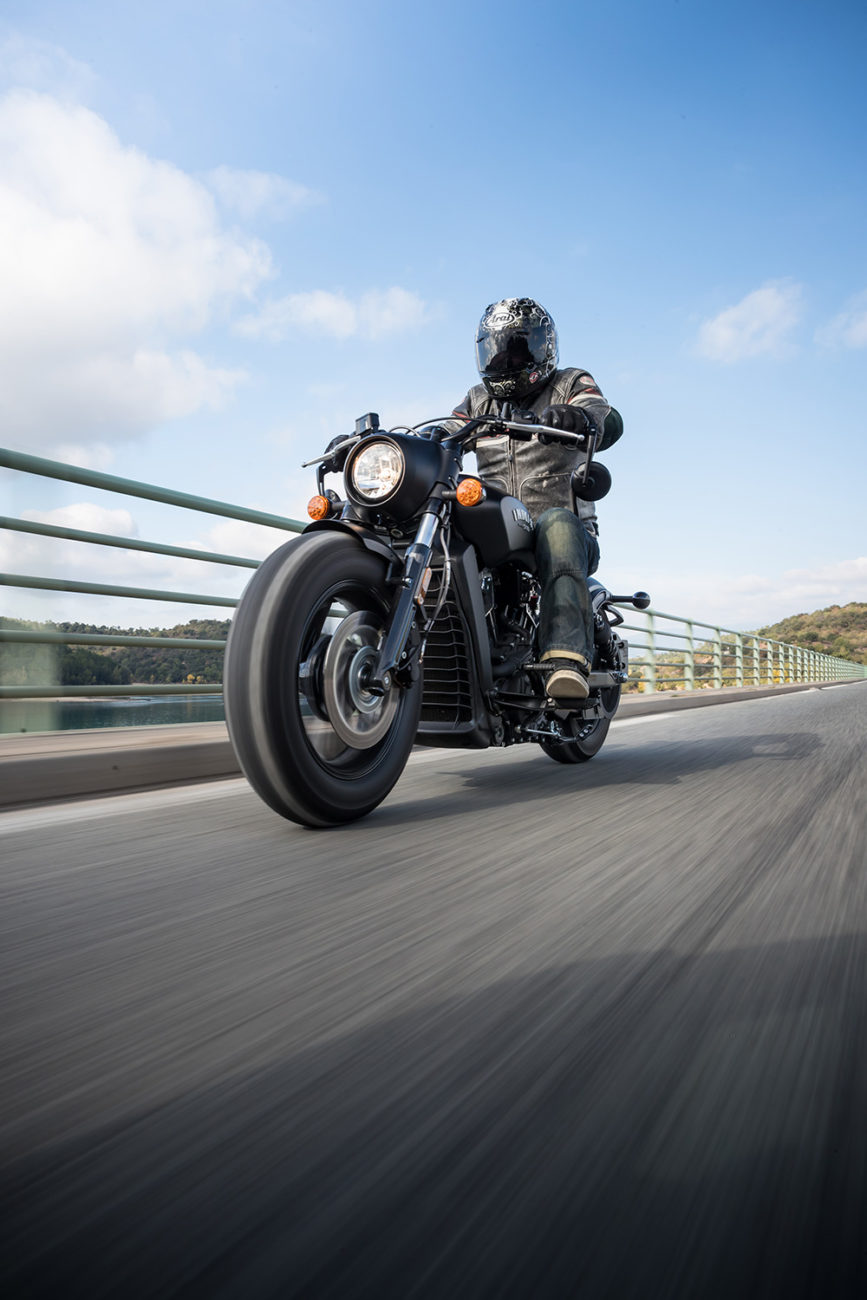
[274, 684]
[589, 736]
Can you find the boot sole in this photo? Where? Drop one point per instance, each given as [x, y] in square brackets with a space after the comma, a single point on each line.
[564, 685]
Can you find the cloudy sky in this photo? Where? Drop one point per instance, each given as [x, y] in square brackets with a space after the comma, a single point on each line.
[229, 228]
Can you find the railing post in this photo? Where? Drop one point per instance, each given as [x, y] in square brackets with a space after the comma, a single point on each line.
[651, 649]
[717, 658]
[739, 659]
[689, 665]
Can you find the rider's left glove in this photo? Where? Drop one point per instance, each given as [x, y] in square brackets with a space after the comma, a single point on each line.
[571, 419]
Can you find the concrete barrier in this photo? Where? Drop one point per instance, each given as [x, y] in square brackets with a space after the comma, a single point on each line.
[46, 767]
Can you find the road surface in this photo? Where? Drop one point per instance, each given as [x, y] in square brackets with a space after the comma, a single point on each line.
[528, 1030]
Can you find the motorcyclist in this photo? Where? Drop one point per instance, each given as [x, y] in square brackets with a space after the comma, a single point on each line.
[517, 357]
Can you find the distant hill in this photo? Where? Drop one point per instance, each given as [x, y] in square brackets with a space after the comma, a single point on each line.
[116, 665]
[839, 630]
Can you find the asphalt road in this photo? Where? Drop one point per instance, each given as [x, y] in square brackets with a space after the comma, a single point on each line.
[528, 1030]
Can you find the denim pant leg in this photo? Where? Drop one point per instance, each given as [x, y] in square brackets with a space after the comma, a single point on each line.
[565, 555]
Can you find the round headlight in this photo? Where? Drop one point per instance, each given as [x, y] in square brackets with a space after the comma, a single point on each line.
[376, 471]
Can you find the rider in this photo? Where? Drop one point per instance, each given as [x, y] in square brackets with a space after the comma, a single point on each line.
[517, 355]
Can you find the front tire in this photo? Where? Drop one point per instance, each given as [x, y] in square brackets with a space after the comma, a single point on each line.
[276, 671]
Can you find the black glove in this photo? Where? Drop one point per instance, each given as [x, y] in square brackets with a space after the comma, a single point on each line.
[571, 419]
[335, 442]
[337, 451]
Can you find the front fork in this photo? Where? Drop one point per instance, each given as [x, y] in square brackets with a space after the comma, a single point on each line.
[416, 563]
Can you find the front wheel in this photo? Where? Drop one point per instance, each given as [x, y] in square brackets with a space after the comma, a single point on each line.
[587, 737]
[312, 740]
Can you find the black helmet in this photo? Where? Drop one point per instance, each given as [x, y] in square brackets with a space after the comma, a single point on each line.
[516, 348]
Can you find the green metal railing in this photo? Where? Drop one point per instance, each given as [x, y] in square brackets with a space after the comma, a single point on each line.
[705, 656]
[698, 657]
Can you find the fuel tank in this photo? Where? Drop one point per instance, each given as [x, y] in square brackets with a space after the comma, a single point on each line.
[500, 527]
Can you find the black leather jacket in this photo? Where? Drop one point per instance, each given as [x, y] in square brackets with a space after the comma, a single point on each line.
[537, 474]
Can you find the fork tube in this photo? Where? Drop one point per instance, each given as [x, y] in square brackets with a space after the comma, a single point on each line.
[415, 565]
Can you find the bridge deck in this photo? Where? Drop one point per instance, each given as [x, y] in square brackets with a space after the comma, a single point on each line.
[527, 1031]
[46, 766]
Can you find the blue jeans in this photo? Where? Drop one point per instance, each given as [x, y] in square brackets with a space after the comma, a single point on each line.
[566, 554]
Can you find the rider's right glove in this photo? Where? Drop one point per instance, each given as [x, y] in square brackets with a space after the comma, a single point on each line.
[571, 419]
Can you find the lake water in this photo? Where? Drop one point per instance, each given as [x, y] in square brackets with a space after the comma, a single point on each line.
[135, 711]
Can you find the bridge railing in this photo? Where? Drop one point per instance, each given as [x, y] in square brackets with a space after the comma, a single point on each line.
[671, 652]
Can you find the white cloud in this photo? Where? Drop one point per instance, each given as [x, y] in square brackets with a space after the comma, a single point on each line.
[239, 537]
[78, 561]
[759, 325]
[86, 517]
[96, 455]
[108, 258]
[849, 328]
[40, 65]
[373, 315]
[55, 557]
[753, 600]
[253, 194]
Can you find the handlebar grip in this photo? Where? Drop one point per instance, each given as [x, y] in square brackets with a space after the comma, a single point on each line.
[564, 438]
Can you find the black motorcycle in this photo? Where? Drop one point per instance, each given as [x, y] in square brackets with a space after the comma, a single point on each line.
[406, 614]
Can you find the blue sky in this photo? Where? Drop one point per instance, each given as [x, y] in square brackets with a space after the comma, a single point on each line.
[226, 229]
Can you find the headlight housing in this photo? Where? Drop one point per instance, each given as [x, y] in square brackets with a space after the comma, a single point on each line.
[375, 472]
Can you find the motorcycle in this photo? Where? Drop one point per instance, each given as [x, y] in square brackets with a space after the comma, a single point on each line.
[406, 613]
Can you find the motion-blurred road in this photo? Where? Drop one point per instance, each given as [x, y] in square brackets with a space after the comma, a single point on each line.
[528, 1030]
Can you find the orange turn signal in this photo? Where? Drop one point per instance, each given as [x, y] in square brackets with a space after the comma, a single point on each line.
[319, 507]
[470, 492]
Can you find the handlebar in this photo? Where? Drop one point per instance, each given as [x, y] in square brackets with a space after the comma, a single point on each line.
[340, 445]
[521, 430]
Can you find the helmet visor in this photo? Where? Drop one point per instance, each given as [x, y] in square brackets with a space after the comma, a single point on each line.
[509, 352]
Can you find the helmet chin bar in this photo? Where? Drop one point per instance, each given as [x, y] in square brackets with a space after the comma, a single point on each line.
[507, 389]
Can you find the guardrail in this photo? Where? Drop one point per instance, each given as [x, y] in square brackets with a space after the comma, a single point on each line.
[700, 656]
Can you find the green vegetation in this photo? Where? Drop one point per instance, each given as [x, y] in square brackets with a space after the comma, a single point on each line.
[37, 665]
[148, 665]
[28, 665]
[839, 630]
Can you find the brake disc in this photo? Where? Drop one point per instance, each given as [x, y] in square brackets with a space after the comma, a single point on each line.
[359, 717]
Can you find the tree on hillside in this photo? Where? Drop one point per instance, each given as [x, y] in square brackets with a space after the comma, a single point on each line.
[837, 630]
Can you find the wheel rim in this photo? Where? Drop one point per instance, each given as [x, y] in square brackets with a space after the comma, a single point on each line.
[337, 731]
[359, 717]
